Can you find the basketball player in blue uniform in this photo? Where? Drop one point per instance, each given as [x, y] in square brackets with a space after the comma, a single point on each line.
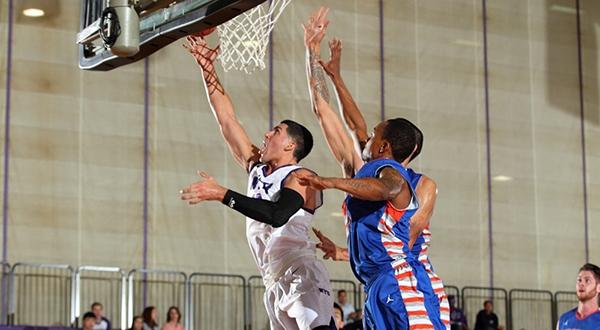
[586, 316]
[415, 237]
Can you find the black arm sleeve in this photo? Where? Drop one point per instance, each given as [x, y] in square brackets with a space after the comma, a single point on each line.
[275, 214]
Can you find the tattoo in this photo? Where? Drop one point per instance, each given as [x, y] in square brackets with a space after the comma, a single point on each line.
[212, 81]
[318, 75]
[359, 184]
[391, 179]
[206, 59]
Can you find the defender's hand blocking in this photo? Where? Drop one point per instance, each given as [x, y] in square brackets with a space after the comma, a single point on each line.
[314, 29]
[332, 67]
[207, 189]
[312, 180]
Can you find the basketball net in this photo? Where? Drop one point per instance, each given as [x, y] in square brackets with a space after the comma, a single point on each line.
[245, 38]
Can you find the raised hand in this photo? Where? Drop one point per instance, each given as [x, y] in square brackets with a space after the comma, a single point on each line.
[315, 27]
[207, 189]
[332, 67]
[205, 57]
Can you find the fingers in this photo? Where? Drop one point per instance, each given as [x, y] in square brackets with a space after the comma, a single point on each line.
[319, 235]
[191, 197]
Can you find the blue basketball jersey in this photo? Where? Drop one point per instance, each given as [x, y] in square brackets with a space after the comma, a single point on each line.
[571, 321]
[402, 292]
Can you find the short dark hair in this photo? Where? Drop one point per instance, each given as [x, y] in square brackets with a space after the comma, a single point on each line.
[341, 291]
[592, 268]
[418, 141]
[88, 315]
[488, 302]
[338, 307]
[401, 136]
[301, 136]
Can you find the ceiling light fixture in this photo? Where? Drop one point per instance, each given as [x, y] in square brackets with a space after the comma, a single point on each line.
[33, 12]
[502, 178]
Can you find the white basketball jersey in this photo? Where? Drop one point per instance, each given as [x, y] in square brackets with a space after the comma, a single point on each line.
[275, 248]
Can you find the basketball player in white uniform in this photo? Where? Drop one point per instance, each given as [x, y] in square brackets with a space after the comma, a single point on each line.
[279, 210]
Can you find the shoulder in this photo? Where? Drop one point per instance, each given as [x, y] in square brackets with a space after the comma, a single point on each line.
[291, 179]
[304, 170]
[252, 166]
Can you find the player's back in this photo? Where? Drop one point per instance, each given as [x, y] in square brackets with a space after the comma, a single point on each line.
[571, 321]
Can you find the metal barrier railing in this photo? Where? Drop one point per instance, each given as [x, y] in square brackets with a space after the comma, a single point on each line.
[526, 303]
[4, 293]
[106, 285]
[564, 301]
[256, 311]
[159, 288]
[473, 298]
[452, 290]
[217, 301]
[362, 295]
[40, 294]
[349, 287]
[43, 294]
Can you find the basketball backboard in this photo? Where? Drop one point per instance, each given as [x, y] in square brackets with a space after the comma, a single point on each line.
[145, 26]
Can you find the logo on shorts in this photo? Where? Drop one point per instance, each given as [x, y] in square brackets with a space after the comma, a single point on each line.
[324, 291]
[389, 299]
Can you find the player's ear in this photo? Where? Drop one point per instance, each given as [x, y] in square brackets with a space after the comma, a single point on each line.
[290, 146]
[385, 146]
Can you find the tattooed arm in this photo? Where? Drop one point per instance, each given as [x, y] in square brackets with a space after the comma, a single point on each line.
[234, 134]
[314, 31]
[389, 186]
[338, 140]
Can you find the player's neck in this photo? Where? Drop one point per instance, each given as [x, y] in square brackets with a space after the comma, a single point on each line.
[585, 308]
[277, 163]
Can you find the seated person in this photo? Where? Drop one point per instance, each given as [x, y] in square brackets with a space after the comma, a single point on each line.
[101, 322]
[88, 321]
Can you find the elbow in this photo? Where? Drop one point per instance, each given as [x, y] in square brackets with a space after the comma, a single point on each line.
[388, 194]
[279, 219]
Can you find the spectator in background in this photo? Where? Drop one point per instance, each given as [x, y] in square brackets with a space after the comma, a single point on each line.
[347, 308]
[173, 320]
[338, 315]
[88, 321]
[149, 316]
[458, 320]
[101, 322]
[587, 313]
[487, 319]
[137, 323]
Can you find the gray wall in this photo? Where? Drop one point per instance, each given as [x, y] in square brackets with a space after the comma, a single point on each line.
[75, 190]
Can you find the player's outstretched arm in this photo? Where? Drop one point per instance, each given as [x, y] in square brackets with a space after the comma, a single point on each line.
[387, 187]
[234, 134]
[350, 112]
[275, 213]
[338, 141]
[427, 195]
[332, 251]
